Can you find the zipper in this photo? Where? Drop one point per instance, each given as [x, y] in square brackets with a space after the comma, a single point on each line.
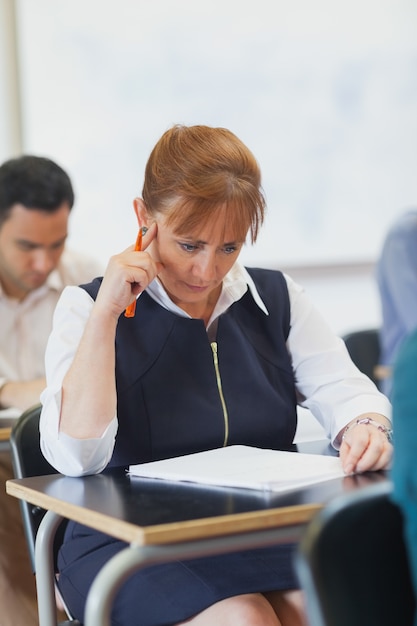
[219, 386]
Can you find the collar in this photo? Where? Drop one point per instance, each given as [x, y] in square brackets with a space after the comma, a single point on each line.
[235, 284]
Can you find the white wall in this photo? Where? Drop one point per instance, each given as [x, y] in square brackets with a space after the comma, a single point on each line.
[324, 92]
[10, 123]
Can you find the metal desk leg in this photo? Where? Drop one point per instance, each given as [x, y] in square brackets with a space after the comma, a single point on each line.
[116, 571]
[44, 563]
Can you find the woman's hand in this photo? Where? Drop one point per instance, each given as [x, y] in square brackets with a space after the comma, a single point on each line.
[364, 446]
[127, 275]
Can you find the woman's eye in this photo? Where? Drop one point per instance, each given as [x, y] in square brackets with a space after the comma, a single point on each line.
[230, 249]
[188, 247]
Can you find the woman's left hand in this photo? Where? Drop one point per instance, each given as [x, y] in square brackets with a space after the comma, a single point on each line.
[364, 447]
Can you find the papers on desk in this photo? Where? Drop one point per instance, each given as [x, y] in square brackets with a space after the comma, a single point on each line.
[245, 467]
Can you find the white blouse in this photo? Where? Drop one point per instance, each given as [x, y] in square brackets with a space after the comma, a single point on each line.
[327, 382]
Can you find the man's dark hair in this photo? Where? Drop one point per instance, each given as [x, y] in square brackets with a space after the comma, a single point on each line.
[36, 182]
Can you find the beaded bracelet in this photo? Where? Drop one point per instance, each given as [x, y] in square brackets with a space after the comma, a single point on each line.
[368, 420]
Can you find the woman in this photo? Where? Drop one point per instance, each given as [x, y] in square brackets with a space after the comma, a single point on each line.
[215, 355]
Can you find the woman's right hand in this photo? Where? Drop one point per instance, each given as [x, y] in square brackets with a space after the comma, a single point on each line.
[127, 275]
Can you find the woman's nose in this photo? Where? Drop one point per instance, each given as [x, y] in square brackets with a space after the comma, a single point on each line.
[205, 267]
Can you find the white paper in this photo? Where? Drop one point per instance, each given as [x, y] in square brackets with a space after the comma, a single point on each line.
[245, 467]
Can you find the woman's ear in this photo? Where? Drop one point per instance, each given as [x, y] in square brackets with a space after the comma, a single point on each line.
[141, 212]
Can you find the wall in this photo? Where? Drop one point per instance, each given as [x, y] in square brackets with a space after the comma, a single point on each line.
[10, 119]
[325, 94]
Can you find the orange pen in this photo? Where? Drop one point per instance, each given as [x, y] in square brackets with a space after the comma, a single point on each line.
[130, 310]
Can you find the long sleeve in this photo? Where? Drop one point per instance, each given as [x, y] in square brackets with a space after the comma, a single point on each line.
[396, 276]
[327, 381]
[68, 455]
[404, 468]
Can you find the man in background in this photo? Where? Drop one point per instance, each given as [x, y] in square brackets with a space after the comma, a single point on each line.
[396, 275]
[36, 198]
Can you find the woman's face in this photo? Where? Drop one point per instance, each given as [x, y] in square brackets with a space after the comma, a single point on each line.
[195, 263]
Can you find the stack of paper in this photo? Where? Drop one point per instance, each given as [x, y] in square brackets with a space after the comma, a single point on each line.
[245, 467]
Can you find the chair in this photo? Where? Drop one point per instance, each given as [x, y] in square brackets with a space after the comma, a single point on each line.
[28, 460]
[352, 562]
[364, 349]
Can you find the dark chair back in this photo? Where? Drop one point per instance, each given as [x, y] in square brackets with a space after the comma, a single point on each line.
[28, 460]
[364, 349]
[352, 562]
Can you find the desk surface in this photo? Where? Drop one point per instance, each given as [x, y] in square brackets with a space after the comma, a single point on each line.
[5, 433]
[145, 511]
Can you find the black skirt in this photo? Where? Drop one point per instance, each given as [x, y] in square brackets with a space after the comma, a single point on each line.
[162, 595]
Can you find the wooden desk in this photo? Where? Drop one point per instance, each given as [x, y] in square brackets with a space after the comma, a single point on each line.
[164, 521]
[5, 433]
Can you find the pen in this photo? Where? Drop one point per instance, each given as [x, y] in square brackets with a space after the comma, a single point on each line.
[130, 310]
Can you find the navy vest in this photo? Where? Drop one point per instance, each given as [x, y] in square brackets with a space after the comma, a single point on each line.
[168, 396]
